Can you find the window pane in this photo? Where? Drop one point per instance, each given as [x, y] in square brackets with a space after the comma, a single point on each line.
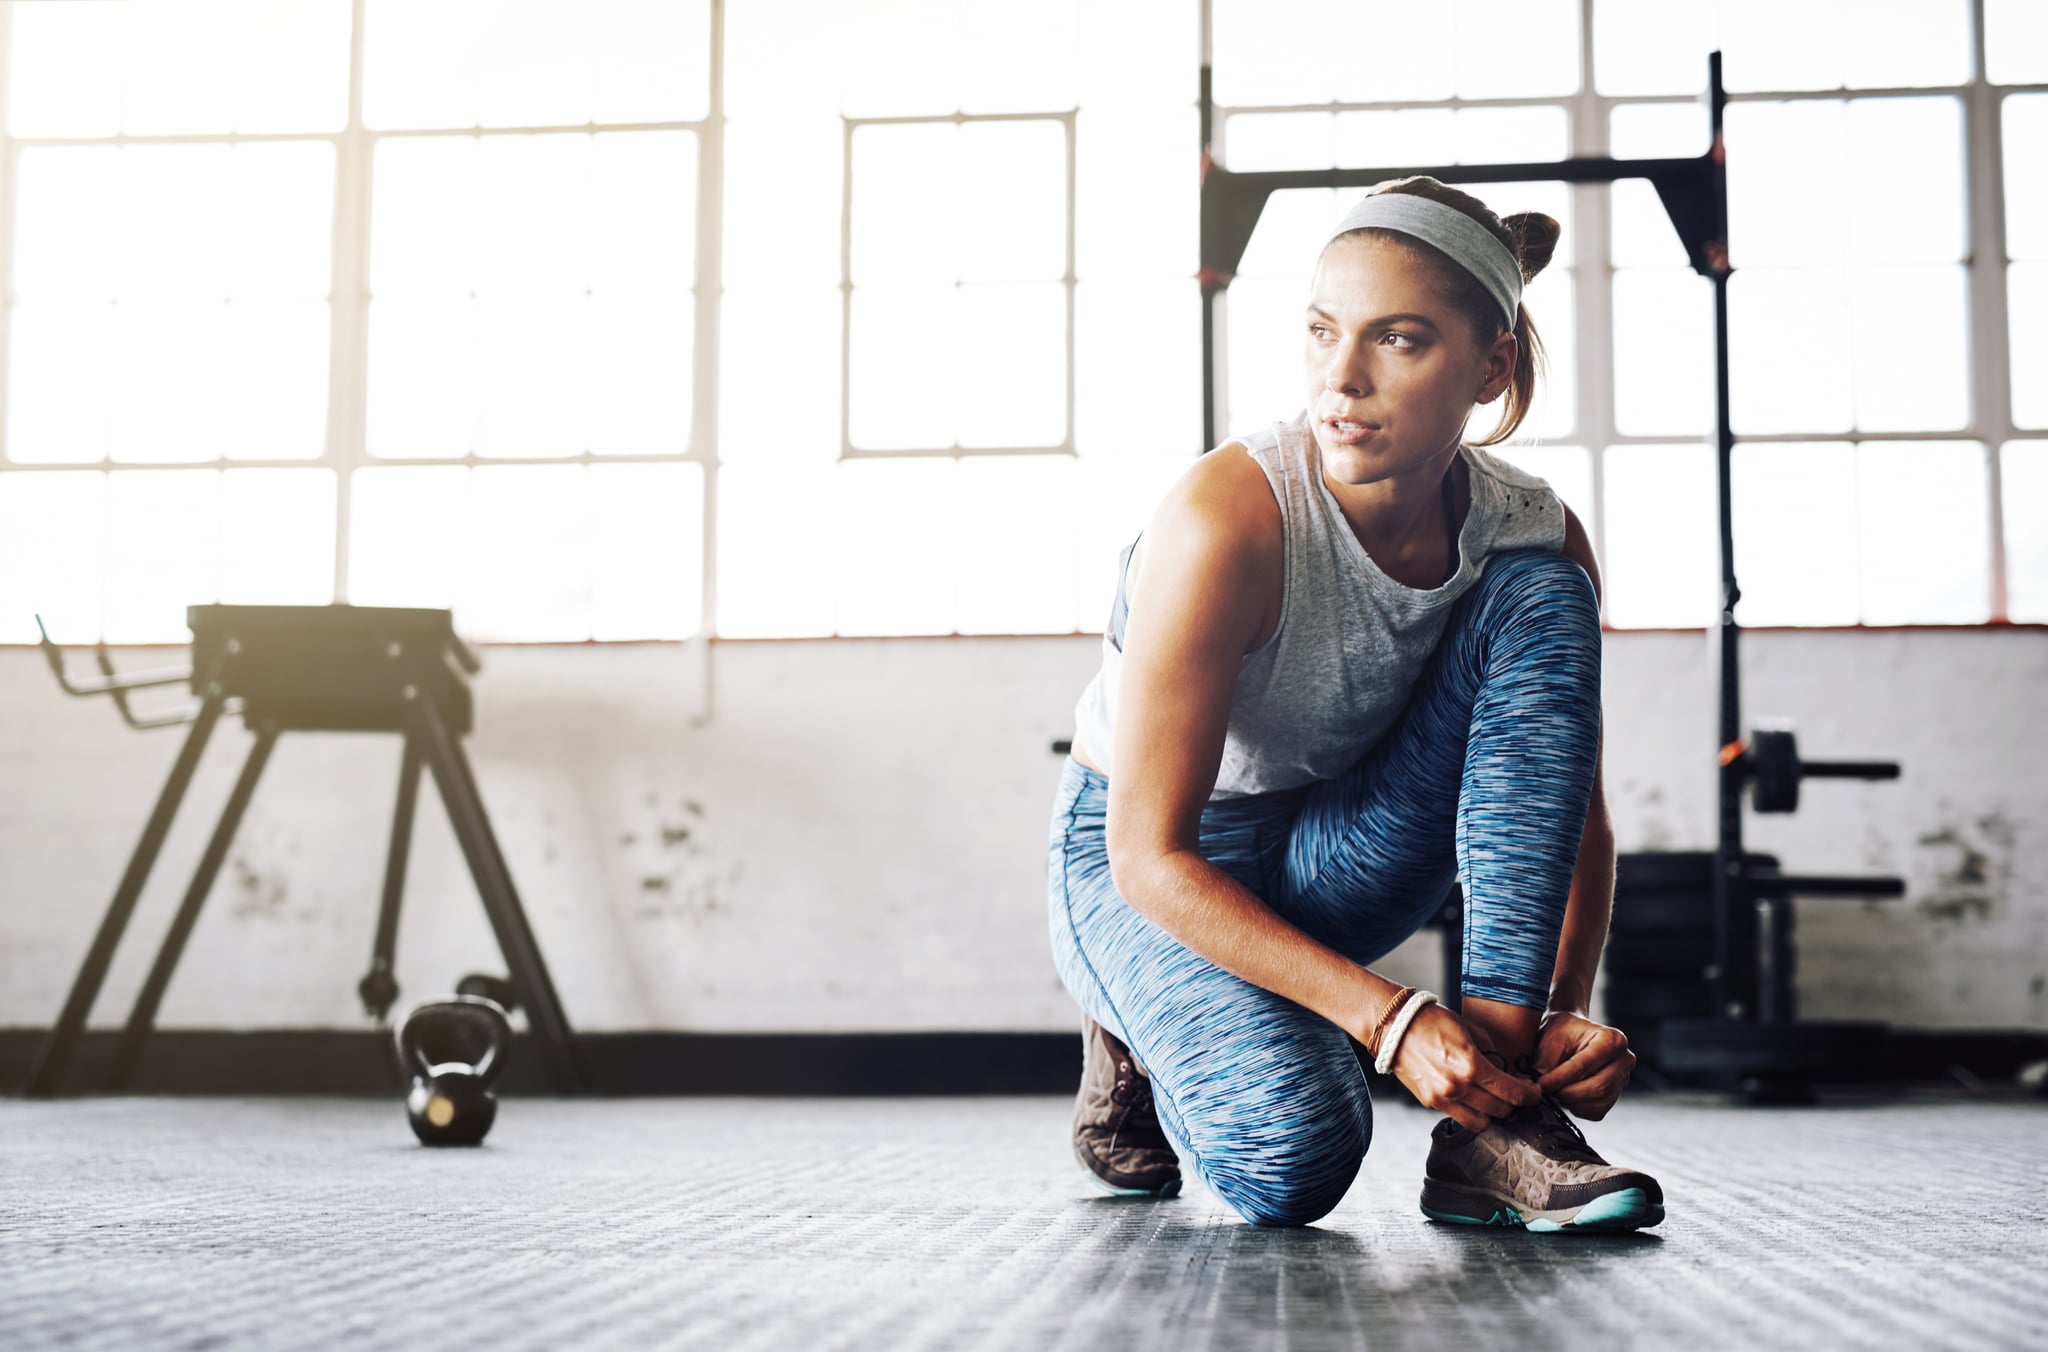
[1016, 564]
[1017, 58]
[408, 536]
[53, 545]
[778, 374]
[64, 69]
[1290, 235]
[1663, 353]
[784, 58]
[1555, 413]
[58, 375]
[1022, 166]
[2025, 489]
[1781, 44]
[906, 223]
[648, 560]
[639, 368]
[2026, 302]
[1787, 178]
[274, 372]
[277, 537]
[922, 361]
[1643, 233]
[1905, 141]
[2025, 128]
[2015, 41]
[1511, 136]
[779, 169]
[1012, 362]
[1517, 48]
[1662, 568]
[776, 576]
[1892, 43]
[1137, 211]
[163, 532]
[533, 375]
[70, 203]
[1264, 53]
[899, 58]
[190, 67]
[901, 368]
[1397, 137]
[1267, 349]
[170, 362]
[1795, 533]
[1920, 311]
[1138, 369]
[894, 535]
[1115, 499]
[1924, 490]
[1425, 35]
[1647, 131]
[530, 553]
[424, 378]
[1391, 137]
[1789, 354]
[1650, 47]
[529, 63]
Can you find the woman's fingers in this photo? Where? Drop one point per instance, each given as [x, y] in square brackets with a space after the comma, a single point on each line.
[1592, 1097]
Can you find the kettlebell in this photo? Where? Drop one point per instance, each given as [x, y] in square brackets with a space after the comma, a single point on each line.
[453, 1047]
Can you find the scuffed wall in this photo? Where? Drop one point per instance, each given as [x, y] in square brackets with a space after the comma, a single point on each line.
[855, 839]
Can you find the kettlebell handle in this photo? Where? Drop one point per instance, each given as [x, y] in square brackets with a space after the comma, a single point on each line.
[473, 1010]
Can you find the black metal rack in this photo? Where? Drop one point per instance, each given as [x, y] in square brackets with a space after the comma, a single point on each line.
[1753, 1006]
[335, 668]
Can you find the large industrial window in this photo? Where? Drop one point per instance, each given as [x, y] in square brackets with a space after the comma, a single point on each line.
[620, 319]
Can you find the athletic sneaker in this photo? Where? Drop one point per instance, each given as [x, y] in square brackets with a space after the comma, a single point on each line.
[1533, 1168]
[1117, 1136]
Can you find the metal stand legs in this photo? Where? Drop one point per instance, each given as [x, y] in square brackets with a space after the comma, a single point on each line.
[428, 742]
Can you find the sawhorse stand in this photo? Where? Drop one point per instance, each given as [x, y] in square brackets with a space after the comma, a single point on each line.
[326, 669]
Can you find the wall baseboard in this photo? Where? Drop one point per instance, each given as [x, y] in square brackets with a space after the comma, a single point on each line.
[345, 1061]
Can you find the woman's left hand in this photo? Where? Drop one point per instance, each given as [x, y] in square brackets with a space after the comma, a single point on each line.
[1582, 1063]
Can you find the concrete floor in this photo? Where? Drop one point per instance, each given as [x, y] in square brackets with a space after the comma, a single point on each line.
[898, 1223]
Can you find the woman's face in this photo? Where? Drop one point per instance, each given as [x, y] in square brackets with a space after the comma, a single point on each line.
[1383, 349]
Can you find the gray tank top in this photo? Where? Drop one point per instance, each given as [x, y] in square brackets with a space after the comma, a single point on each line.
[1351, 641]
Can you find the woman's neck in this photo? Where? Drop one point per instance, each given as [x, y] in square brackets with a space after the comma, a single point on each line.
[1403, 517]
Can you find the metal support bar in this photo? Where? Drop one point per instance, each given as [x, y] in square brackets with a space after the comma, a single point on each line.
[494, 884]
[143, 1017]
[379, 986]
[46, 1077]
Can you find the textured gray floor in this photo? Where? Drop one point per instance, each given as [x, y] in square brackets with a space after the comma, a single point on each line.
[778, 1223]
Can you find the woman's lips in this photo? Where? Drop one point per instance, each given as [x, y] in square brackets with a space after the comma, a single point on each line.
[1349, 436]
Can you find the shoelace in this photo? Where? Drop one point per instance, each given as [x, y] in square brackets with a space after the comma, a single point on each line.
[1548, 1115]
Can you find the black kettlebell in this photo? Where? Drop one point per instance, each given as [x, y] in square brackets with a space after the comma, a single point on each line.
[453, 1047]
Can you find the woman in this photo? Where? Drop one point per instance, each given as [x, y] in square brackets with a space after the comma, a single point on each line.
[1352, 658]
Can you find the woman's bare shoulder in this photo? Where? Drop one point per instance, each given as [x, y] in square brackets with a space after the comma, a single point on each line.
[1226, 500]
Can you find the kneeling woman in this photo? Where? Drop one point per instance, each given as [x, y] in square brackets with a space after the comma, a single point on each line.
[1352, 658]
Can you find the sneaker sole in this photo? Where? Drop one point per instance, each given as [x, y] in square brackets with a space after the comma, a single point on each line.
[1457, 1204]
[1170, 1188]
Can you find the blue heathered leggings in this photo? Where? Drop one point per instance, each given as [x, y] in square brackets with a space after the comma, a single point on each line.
[1485, 777]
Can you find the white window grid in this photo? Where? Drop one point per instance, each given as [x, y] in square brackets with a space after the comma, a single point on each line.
[849, 451]
[1588, 111]
[1588, 114]
[346, 448]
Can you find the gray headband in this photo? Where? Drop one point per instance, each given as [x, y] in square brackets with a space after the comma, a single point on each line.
[1471, 245]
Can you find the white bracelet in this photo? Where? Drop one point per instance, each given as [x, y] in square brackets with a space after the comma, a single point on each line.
[1390, 1042]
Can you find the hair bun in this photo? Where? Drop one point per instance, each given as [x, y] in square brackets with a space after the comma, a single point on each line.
[1535, 236]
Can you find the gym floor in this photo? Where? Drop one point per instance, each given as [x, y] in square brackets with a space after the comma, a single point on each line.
[962, 1222]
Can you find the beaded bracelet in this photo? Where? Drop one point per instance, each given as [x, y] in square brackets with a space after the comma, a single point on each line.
[1383, 1060]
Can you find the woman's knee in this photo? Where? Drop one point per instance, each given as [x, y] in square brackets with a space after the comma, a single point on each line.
[1536, 586]
[1280, 1139]
[1296, 1178]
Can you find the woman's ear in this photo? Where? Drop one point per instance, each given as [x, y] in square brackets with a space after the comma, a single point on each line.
[1499, 371]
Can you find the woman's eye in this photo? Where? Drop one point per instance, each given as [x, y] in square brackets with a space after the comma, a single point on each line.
[1403, 337]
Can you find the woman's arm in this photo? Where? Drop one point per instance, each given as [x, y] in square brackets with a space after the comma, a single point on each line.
[1212, 573]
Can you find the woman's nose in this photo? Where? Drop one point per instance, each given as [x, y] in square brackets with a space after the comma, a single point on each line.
[1347, 375]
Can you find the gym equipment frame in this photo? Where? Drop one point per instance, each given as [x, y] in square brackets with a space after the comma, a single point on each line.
[1754, 1037]
[336, 668]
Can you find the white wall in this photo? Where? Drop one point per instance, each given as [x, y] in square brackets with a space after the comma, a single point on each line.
[855, 840]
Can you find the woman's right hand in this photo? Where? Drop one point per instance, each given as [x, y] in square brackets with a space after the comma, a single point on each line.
[1443, 1061]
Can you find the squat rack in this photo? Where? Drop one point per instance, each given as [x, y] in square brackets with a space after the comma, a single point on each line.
[1751, 987]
